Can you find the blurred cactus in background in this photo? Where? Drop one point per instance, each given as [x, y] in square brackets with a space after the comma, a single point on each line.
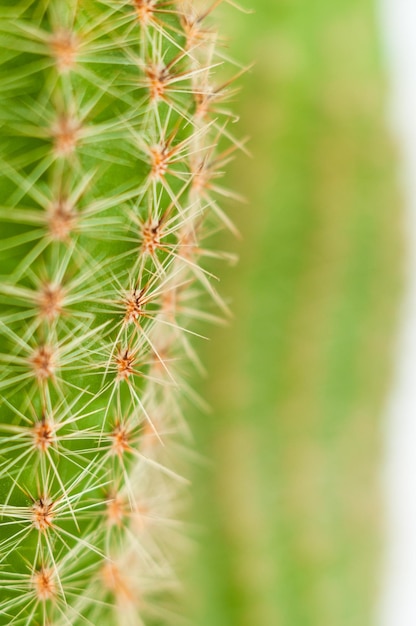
[114, 136]
[298, 384]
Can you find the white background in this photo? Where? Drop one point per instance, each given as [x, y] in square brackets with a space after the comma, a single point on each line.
[397, 606]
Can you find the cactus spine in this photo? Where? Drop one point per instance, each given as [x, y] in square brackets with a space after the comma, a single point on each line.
[110, 123]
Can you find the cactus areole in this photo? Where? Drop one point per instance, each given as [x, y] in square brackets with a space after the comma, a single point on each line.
[114, 134]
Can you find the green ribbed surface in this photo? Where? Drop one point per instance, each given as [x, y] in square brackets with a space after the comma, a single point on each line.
[109, 117]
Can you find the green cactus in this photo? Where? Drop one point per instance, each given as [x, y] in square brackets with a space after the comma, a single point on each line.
[111, 114]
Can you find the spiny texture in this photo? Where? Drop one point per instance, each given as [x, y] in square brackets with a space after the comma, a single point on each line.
[111, 115]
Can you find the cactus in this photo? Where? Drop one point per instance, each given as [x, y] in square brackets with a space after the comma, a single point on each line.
[111, 114]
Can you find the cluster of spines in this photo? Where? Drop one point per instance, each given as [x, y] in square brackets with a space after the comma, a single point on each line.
[109, 178]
